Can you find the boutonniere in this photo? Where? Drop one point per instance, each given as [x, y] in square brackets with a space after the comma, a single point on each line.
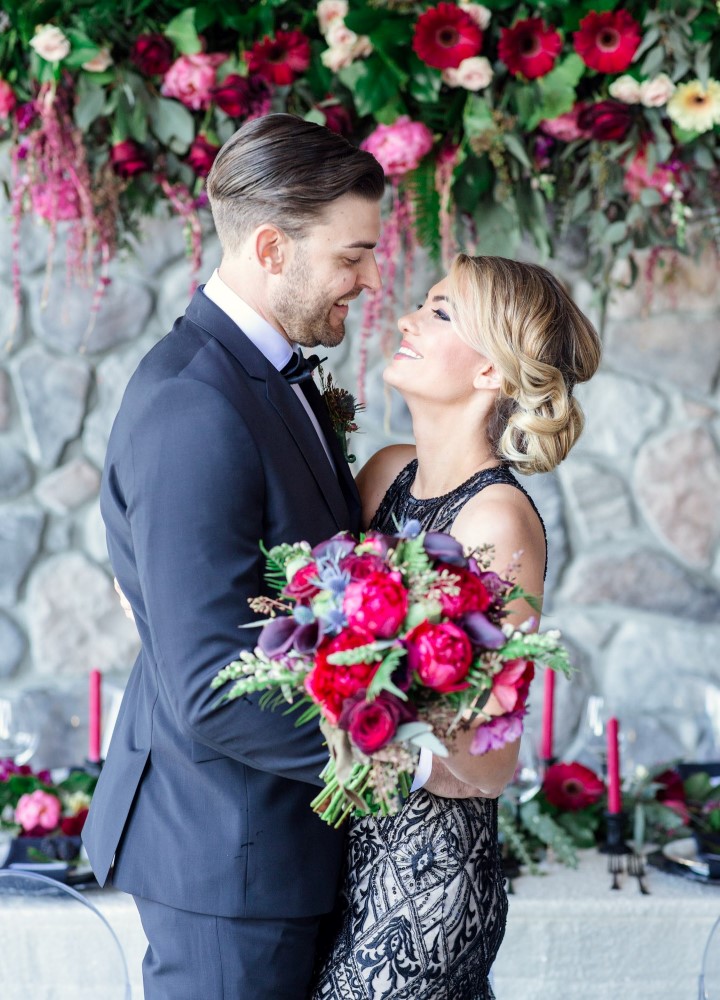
[342, 407]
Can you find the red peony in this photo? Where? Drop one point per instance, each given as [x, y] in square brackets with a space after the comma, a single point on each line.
[473, 595]
[373, 724]
[152, 53]
[607, 42]
[202, 155]
[280, 59]
[606, 121]
[572, 786]
[379, 603]
[328, 684]
[128, 158]
[529, 48]
[511, 685]
[304, 583]
[445, 35]
[440, 654]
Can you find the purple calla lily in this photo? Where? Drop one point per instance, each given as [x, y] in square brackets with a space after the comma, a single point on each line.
[444, 548]
[481, 631]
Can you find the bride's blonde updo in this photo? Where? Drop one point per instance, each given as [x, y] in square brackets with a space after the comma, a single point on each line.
[521, 318]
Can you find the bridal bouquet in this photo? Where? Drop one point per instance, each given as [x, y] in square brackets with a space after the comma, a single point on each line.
[396, 642]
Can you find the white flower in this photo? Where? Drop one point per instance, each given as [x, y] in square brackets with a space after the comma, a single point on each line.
[337, 58]
[330, 10]
[695, 108]
[481, 15]
[362, 47]
[99, 63]
[50, 43]
[657, 92]
[474, 73]
[625, 89]
[339, 36]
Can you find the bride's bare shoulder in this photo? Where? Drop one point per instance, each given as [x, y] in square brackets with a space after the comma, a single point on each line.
[378, 473]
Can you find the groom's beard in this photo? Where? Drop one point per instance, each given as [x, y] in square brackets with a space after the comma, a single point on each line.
[304, 309]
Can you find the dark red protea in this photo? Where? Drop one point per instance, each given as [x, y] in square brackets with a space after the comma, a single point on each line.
[606, 121]
[202, 155]
[572, 786]
[607, 42]
[128, 158]
[152, 53]
[280, 59]
[445, 35]
[529, 48]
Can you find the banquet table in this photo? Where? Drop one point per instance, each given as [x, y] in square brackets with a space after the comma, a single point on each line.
[568, 936]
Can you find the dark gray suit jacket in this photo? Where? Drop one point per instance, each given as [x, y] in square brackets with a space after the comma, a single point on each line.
[206, 808]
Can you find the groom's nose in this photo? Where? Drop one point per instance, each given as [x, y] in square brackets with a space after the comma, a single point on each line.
[369, 276]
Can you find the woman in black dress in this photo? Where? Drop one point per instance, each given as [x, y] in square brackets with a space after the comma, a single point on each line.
[487, 367]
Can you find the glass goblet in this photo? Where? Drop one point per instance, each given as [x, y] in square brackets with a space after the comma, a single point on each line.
[19, 728]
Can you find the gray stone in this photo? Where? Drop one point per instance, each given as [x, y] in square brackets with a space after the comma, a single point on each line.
[643, 579]
[94, 534]
[75, 619]
[112, 377]
[15, 471]
[20, 531]
[545, 491]
[69, 486]
[4, 400]
[58, 535]
[600, 502]
[12, 646]
[677, 483]
[679, 283]
[78, 321]
[619, 414]
[12, 320]
[33, 243]
[51, 392]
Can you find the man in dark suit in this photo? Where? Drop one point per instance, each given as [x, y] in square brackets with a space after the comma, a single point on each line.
[203, 812]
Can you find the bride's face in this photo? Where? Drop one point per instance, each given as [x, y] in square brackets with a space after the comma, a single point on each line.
[432, 362]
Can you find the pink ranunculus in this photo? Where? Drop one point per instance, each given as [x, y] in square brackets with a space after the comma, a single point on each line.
[637, 179]
[399, 147]
[511, 684]
[55, 201]
[8, 100]
[565, 127]
[497, 733]
[378, 602]
[38, 811]
[440, 654]
[191, 79]
[373, 724]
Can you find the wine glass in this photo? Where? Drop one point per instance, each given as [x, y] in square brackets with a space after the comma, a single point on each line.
[19, 730]
[527, 779]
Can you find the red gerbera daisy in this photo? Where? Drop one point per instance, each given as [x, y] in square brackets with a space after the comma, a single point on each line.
[529, 48]
[607, 42]
[445, 35]
[280, 59]
[572, 786]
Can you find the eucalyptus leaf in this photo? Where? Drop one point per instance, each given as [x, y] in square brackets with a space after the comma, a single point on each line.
[183, 33]
[90, 102]
[429, 741]
[172, 121]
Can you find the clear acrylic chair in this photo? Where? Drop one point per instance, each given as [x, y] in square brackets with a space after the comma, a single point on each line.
[55, 944]
[709, 981]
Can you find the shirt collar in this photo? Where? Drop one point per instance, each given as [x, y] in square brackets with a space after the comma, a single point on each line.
[265, 337]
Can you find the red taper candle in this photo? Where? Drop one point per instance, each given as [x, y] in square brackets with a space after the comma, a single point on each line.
[94, 710]
[548, 715]
[613, 767]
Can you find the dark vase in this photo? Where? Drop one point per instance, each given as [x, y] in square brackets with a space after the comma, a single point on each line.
[707, 842]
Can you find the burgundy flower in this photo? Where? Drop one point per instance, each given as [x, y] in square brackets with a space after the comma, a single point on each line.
[128, 158]
[373, 724]
[329, 684]
[440, 654]
[607, 42]
[72, 826]
[606, 121]
[202, 155]
[280, 59]
[529, 48]
[445, 35]
[242, 96]
[337, 118]
[572, 786]
[378, 602]
[152, 53]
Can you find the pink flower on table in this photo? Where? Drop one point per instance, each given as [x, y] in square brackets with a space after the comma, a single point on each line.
[38, 811]
[572, 786]
[8, 100]
[495, 734]
[191, 79]
[56, 201]
[399, 147]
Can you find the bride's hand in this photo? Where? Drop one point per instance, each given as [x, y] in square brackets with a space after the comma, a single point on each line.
[124, 603]
[443, 783]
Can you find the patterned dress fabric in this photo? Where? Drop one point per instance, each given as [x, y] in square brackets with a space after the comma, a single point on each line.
[423, 902]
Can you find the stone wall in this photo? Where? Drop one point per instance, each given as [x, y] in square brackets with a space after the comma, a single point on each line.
[632, 515]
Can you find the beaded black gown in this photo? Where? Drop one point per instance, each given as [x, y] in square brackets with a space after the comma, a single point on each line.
[423, 902]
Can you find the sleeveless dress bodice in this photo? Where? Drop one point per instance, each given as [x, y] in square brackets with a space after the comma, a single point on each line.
[423, 902]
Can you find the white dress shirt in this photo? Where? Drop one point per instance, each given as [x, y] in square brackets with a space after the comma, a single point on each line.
[265, 337]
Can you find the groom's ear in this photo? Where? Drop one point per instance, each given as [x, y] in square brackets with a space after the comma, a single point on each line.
[271, 248]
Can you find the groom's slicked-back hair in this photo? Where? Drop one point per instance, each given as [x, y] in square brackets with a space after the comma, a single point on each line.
[285, 170]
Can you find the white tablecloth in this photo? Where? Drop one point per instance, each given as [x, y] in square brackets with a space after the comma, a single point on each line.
[569, 937]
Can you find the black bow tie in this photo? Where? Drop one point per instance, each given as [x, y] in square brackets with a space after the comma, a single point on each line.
[299, 368]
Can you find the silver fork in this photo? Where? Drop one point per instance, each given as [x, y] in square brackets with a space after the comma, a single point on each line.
[616, 867]
[636, 868]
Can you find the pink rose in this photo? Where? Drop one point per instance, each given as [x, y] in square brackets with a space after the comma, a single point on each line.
[511, 684]
[625, 89]
[475, 73]
[565, 127]
[657, 92]
[38, 812]
[7, 99]
[55, 201]
[440, 654]
[379, 602]
[191, 79]
[373, 724]
[399, 147]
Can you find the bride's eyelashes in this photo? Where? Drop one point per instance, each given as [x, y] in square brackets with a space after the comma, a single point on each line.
[441, 314]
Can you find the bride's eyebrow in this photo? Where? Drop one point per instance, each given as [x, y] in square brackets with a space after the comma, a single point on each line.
[440, 298]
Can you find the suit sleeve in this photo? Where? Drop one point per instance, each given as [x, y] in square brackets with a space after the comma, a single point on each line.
[196, 513]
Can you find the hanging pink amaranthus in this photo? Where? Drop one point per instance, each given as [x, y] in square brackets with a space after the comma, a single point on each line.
[186, 206]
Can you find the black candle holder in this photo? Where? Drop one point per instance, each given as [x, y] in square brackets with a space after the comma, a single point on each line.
[548, 762]
[614, 839]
